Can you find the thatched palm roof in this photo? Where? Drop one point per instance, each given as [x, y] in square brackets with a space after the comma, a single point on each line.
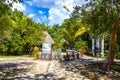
[48, 38]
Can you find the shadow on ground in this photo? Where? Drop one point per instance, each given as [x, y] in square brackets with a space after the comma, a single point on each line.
[9, 70]
[49, 76]
[88, 68]
[92, 69]
[19, 71]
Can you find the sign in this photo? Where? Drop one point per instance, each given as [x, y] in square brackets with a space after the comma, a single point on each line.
[46, 48]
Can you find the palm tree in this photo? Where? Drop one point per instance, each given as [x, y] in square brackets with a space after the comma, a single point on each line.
[73, 28]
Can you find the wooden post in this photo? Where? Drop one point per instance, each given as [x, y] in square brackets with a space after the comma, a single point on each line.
[51, 55]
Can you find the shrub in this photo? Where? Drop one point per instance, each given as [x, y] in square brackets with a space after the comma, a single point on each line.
[36, 52]
[118, 55]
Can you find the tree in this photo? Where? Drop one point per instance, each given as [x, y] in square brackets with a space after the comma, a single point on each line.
[113, 13]
[56, 34]
[104, 15]
[5, 25]
[9, 3]
[17, 31]
[73, 28]
[30, 32]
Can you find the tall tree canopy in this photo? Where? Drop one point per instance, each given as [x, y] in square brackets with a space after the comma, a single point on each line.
[17, 31]
[104, 15]
[73, 28]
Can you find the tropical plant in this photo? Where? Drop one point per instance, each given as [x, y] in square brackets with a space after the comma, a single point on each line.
[73, 28]
[104, 15]
[17, 31]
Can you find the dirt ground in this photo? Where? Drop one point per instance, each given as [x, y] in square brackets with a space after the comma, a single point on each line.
[86, 68]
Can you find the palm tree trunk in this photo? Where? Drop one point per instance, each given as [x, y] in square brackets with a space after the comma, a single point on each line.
[112, 50]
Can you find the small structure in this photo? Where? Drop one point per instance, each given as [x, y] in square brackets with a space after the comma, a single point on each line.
[71, 55]
[48, 38]
[47, 47]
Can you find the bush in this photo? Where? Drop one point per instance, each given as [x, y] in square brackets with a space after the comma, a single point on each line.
[36, 52]
[118, 55]
[80, 44]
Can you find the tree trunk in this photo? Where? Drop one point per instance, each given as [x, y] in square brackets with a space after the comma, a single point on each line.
[112, 50]
[93, 46]
[102, 46]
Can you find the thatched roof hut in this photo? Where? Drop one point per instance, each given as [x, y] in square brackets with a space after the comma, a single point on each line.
[48, 38]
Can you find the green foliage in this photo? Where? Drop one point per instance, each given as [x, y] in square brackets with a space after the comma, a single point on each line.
[9, 56]
[27, 56]
[103, 16]
[36, 52]
[76, 12]
[18, 32]
[73, 29]
[56, 33]
[79, 44]
[4, 9]
[118, 55]
[69, 31]
[10, 2]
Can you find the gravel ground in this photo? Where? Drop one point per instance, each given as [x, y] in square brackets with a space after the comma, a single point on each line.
[30, 69]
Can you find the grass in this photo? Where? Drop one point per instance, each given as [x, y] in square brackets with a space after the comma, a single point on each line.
[27, 56]
[8, 56]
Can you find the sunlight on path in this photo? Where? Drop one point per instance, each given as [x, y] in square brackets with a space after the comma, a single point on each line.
[40, 67]
[29, 69]
[55, 70]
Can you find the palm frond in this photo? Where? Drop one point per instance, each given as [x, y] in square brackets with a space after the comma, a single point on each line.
[81, 31]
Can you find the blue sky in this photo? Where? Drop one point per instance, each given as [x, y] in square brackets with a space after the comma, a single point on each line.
[47, 11]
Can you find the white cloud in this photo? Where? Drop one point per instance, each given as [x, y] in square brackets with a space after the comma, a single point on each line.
[41, 19]
[8, 1]
[38, 20]
[41, 12]
[44, 18]
[44, 3]
[57, 13]
[29, 2]
[18, 6]
[31, 15]
[56, 16]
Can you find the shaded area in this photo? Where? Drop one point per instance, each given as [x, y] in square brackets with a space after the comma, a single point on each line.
[92, 69]
[13, 68]
[49, 76]
[81, 69]
[19, 69]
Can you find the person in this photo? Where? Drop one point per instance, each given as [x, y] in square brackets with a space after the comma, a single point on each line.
[73, 56]
[82, 51]
[40, 55]
[77, 55]
[67, 56]
[64, 57]
[96, 51]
